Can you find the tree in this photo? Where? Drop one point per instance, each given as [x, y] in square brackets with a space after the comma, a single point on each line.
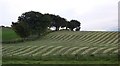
[31, 23]
[73, 24]
[45, 22]
[57, 21]
[2, 26]
[63, 22]
[36, 21]
[77, 29]
[21, 28]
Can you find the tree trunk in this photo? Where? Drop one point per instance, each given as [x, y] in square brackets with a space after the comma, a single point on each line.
[57, 29]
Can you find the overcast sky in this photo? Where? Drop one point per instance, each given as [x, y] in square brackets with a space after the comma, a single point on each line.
[93, 14]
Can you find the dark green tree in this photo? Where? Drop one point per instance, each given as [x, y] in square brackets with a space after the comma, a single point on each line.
[57, 21]
[77, 29]
[21, 28]
[73, 24]
[45, 22]
[36, 21]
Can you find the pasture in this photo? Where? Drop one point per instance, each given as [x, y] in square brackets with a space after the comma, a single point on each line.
[65, 47]
[8, 34]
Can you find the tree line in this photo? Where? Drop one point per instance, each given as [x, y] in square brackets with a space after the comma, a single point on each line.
[36, 23]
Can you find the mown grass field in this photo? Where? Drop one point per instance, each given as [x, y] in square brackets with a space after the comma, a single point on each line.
[65, 47]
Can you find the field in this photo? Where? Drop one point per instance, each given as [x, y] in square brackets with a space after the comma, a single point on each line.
[9, 34]
[65, 47]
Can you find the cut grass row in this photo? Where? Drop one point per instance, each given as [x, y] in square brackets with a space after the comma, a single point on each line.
[53, 50]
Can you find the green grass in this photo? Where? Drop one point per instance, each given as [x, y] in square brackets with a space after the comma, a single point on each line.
[69, 41]
[58, 62]
[8, 34]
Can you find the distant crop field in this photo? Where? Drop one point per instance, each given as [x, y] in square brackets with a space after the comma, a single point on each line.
[97, 47]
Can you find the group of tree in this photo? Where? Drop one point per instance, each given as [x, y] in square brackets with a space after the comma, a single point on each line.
[57, 22]
[31, 23]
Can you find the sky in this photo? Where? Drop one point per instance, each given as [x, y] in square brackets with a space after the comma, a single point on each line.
[94, 15]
